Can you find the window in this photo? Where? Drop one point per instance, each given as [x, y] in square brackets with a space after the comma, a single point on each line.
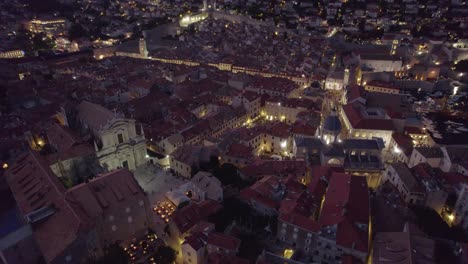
[111, 218]
[130, 219]
[68, 258]
[141, 202]
[120, 138]
[125, 164]
[114, 228]
[127, 210]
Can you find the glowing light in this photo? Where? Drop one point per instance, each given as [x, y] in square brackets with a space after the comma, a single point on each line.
[396, 150]
[147, 156]
[40, 142]
[288, 253]
[5, 166]
[451, 217]
[284, 144]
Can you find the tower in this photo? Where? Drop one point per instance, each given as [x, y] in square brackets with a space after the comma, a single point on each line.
[142, 47]
[209, 5]
[346, 78]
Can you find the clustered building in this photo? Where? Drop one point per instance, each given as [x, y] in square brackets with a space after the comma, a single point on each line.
[319, 113]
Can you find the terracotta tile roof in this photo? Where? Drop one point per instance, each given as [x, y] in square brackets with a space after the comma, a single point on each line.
[35, 186]
[300, 221]
[303, 129]
[190, 215]
[196, 240]
[350, 236]
[353, 113]
[404, 142]
[93, 115]
[223, 241]
[240, 151]
[414, 130]
[382, 84]
[218, 258]
[352, 231]
[283, 167]
[335, 200]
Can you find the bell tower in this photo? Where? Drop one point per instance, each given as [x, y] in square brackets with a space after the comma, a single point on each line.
[142, 47]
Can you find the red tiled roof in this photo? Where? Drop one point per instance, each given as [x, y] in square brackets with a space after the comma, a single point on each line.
[275, 168]
[381, 84]
[190, 215]
[35, 186]
[404, 142]
[239, 150]
[303, 129]
[218, 258]
[223, 241]
[335, 200]
[300, 221]
[355, 92]
[414, 130]
[93, 115]
[196, 240]
[274, 84]
[106, 191]
[422, 170]
[453, 178]
[352, 231]
[251, 96]
[350, 236]
[353, 113]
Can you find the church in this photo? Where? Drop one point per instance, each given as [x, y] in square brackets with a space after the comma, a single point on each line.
[117, 142]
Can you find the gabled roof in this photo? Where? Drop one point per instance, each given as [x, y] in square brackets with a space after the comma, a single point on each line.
[36, 187]
[353, 112]
[196, 240]
[223, 241]
[190, 215]
[93, 115]
[405, 175]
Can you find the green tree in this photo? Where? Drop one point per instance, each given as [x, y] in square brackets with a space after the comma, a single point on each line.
[41, 42]
[164, 255]
[114, 254]
[76, 31]
[227, 174]
[462, 66]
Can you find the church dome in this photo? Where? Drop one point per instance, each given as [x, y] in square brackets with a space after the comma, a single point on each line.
[332, 124]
